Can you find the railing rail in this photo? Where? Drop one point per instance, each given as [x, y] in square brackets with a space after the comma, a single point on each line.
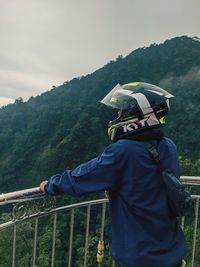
[190, 180]
[20, 195]
[31, 206]
[36, 193]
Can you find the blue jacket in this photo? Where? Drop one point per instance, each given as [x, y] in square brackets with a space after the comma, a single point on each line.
[144, 233]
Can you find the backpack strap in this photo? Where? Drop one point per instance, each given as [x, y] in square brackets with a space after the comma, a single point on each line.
[154, 154]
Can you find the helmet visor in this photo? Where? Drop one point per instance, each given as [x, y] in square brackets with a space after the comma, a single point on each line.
[117, 98]
[109, 99]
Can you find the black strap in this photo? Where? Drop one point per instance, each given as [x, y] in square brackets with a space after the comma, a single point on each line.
[154, 153]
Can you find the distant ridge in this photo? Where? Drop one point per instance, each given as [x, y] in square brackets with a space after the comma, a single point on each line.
[67, 125]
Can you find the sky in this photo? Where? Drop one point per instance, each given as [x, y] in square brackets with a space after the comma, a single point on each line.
[47, 42]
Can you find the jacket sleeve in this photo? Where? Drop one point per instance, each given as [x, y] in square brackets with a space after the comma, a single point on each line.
[98, 174]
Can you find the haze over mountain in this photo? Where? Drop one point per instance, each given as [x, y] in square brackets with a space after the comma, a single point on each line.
[67, 125]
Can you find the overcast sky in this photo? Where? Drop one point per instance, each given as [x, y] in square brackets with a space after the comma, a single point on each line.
[46, 42]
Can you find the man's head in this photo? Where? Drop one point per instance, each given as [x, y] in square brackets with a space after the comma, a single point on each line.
[141, 106]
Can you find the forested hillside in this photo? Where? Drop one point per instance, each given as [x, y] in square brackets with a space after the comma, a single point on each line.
[67, 125]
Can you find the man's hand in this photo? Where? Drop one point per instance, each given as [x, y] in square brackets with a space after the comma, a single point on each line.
[42, 185]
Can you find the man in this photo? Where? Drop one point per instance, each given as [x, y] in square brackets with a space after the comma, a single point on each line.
[144, 232]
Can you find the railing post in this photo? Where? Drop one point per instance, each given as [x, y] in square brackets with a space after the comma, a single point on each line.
[102, 224]
[71, 237]
[195, 231]
[87, 235]
[54, 240]
[35, 242]
[14, 246]
[103, 220]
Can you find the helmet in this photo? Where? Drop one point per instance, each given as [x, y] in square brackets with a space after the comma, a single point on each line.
[142, 106]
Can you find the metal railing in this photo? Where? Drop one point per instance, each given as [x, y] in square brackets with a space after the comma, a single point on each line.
[38, 230]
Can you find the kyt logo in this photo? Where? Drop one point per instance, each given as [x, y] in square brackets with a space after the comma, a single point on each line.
[134, 126]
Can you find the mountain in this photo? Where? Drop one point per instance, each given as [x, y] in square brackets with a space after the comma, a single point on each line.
[67, 125]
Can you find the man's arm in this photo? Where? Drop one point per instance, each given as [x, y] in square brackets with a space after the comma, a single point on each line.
[98, 174]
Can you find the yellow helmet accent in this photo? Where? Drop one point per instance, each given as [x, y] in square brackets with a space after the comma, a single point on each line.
[109, 131]
[134, 84]
[162, 120]
[113, 99]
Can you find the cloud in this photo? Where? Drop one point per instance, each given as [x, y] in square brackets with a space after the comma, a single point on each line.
[45, 43]
[5, 101]
[19, 84]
